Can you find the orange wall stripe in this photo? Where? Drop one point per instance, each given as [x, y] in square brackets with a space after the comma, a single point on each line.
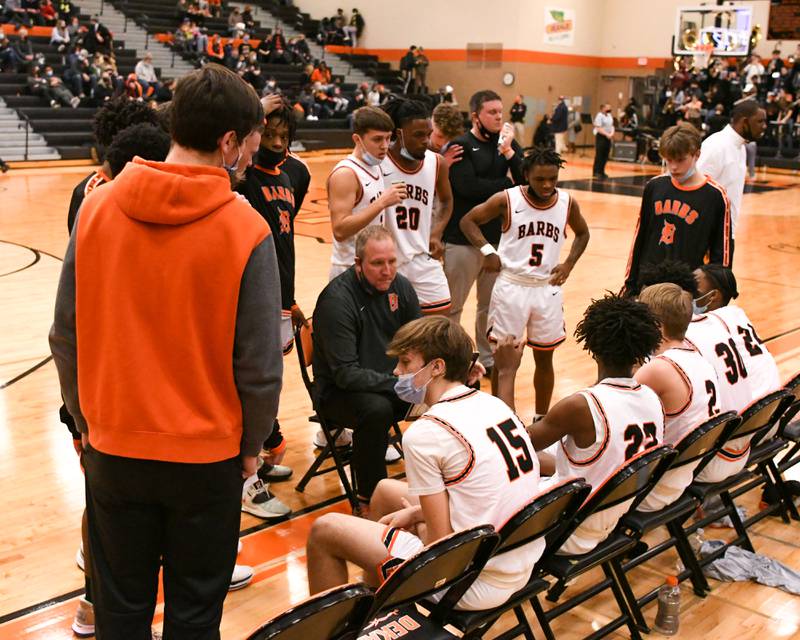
[511, 55]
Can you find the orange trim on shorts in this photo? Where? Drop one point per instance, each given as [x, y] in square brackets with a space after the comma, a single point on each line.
[551, 346]
[435, 307]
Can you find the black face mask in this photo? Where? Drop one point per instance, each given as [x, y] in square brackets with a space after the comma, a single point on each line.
[485, 132]
[269, 158]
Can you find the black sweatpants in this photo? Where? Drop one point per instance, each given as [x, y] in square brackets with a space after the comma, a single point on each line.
[602, 147]
[370, 415]
[145, 513]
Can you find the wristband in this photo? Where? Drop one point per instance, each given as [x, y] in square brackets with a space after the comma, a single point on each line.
[488, 249]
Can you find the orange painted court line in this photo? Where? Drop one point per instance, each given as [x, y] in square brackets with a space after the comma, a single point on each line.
[262, 547]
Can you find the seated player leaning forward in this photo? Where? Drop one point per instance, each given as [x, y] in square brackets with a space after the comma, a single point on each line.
[600, 428]
[458, 476]
[685, 382]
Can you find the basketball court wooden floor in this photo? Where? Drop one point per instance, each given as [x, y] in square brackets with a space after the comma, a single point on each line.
[42, 487]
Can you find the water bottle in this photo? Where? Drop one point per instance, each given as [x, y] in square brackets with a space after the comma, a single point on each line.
[669, 606]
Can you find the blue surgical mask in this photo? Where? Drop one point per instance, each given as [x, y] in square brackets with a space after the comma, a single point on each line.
[699, 309]
[407, 391]
[404, 152]
[367, 157]
[686, 176]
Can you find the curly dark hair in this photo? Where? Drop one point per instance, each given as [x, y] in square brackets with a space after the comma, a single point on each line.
[619, 332]
[118, 114]
[673, 271]
[144, 140]
[403, 110]
[284, 114]
[541, 155]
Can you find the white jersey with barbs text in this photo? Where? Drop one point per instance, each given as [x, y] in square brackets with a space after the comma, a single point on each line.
[628, 419]
[532, 237]
[410, 221]
[370, 188]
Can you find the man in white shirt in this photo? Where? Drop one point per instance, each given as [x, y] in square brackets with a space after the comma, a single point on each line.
[469, 462]
[146, 73]
[723, 156]
[603, 136]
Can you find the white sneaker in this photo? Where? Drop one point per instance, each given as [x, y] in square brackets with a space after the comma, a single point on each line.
[274, 472]
[242, 575]
[392, 455]
[83, 622]
[345, 439]
[79, 560]
[259, 502]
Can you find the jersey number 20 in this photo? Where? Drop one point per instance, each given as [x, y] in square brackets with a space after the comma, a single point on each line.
[522, 463]
[407, 218]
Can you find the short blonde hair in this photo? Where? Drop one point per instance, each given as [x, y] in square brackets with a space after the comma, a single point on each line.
[372, 232]
[679, 141]
[671, 305]
[436, 337]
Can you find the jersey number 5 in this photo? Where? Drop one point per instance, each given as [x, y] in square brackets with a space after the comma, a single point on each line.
[522, 463]
[536, 255]
[407, 218]
[635, 435]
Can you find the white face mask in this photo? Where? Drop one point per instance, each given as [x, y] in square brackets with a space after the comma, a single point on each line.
[366, 156]
[232, 168]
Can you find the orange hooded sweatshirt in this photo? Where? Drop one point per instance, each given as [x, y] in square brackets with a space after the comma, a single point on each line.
[160, 253]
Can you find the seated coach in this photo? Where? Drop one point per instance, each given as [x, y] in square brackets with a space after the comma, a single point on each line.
[354, 320]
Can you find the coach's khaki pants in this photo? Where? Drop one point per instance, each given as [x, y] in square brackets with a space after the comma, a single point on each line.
[519, 133]
[462, 266]
[561, 142]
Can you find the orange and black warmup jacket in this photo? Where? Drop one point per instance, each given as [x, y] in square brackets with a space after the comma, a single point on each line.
[680, 223]
[166, 334]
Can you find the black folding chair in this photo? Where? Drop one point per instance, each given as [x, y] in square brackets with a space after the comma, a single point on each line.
[541, 517]
[341, 458]
[701, 444]
[441, 565]
[336, 614]
[789, 427]
[628, 484]
[756, 421]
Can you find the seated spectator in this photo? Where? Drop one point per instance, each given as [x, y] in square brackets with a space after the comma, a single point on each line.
[98, 37]
[59, 38]
[322, 74]
[215, 7]
[182, 10]
[215, 51]
[247, 18]
[298, 50]
[376, 95]
[31, 8]
[48, 13]
[23, 49]
[134, 89]
[448, 124]
[277, 47]
[52, 89]
[263, 49]
[14, 13]
[356, 315]
[324, 103]
[235, 24]
[66, 10]
[197, 14]
[146, 74]
[79, 74]
[105, 89]
[74, 28]
[165, 90]
[306, 101]
[593, 427]
[434, 357]
[9, 59]
[717, 120]
[254, 77]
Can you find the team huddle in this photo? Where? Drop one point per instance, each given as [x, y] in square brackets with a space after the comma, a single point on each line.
[420, 212]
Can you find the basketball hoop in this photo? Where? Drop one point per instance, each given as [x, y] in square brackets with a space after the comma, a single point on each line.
[702, 55]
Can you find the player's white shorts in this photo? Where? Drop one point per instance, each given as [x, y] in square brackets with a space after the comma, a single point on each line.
[532, 309]
[427, 277]
[481, 595]
[287, 331]
[728, 461]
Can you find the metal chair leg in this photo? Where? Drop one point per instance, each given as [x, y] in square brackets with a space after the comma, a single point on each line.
[622, 602]
[730, 506]
[630, 597]
[541, 616]
[684, 549]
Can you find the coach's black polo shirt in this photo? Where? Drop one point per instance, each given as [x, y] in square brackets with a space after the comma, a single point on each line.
[353, 325]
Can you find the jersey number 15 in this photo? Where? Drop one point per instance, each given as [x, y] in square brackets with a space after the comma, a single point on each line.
[516, 465]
